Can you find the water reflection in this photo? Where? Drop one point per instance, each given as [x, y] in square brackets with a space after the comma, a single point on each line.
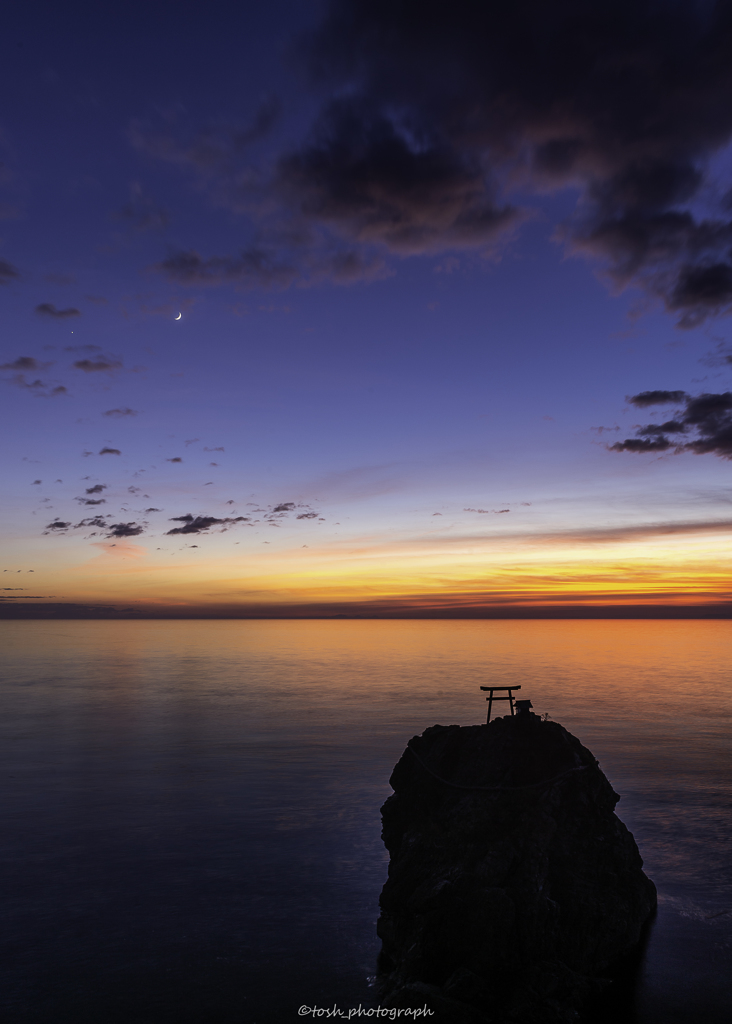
[192, 807]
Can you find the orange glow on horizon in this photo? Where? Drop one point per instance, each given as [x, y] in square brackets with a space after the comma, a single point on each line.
[432, 572]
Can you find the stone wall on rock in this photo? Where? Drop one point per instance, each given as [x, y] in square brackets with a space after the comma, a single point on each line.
[513, 887]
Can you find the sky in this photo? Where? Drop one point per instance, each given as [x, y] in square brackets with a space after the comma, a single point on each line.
[365, 308]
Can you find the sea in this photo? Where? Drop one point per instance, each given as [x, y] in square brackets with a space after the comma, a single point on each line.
[190, 809]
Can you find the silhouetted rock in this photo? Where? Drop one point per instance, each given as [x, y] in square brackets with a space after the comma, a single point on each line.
[505, 904]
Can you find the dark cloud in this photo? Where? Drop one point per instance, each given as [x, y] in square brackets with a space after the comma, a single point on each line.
[176, 459]
[153, 510]
[28, 364]
[32, 385]
[275, 513]
[110, 451]
[97, 365]
[96, 521]
[38, 388]
[213, 450]
[96, 489]
[120, 413]
[659, 444]
[200, 524]
[24, 364]
[111, 530]
[7, 272]
[48, 309]
[656, 429]
[124, 530]
[380, 182]
[486, 511]
[444, 108]
[625, 100]
[58, 525]
[37, 482]
[706, 421]
[646, 398]
[195, 524]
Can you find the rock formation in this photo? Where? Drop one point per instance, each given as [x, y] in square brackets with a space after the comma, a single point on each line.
[513, 887]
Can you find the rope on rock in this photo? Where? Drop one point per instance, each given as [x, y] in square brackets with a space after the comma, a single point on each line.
[493, 789]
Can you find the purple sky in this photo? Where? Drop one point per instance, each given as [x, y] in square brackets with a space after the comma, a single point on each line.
[372, 263]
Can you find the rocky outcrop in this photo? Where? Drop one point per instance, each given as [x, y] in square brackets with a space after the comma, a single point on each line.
[513, 887]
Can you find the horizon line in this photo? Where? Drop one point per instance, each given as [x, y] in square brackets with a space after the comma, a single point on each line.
[77, 611]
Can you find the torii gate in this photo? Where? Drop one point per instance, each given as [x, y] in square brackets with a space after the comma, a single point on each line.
[490, 698]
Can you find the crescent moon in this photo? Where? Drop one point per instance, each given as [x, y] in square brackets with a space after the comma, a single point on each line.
[178, 317]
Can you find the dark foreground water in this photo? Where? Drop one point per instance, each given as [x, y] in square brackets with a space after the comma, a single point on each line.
[190, 810]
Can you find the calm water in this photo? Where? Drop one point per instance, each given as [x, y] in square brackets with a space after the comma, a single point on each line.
[191, 809]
